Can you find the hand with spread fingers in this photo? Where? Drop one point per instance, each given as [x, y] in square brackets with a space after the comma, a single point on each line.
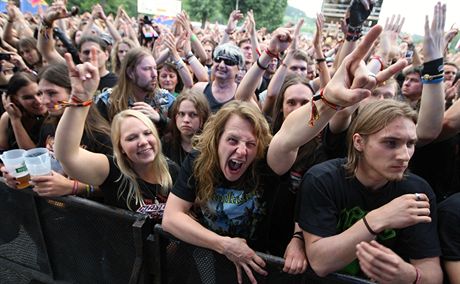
[244, 259]
[433, 41]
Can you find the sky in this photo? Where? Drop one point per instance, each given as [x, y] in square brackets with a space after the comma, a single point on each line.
[413, 10]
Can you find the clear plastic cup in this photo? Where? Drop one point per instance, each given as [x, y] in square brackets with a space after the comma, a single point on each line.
[38, 162]
[14, 163]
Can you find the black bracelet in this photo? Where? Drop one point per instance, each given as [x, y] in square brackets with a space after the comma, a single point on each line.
[319, 60]
[369, 227]
[298, 235]
[433, 67]
[260, 65]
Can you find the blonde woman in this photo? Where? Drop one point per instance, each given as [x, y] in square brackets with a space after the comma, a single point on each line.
[137, 176]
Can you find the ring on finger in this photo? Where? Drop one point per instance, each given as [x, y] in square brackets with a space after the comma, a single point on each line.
[417, 196]
[372, 75]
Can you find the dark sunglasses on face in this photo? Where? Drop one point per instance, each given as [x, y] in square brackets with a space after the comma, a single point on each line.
[227, 61]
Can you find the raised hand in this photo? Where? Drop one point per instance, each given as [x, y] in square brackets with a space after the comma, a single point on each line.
[433, 42]
[56, 11]
[84, 78]
[98, 12]
[351, 82]
[317, 40]
[245, 258]
[233, 19]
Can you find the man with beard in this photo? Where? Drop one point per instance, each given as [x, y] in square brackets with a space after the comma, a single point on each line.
[368, 208]
[228, 59]
[137, 89]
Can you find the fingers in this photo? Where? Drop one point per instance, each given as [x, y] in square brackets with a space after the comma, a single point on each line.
[366, 44]
[238, 273]
[248, 272]
[93, 56]
[387, 73]
[69, 62]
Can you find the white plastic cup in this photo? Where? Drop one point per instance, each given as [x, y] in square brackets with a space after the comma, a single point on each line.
[38, 162]
[14, 163]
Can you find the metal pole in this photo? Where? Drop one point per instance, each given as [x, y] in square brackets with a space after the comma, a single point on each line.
[236, 6]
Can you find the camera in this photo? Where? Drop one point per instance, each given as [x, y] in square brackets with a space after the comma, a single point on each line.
[5, 56]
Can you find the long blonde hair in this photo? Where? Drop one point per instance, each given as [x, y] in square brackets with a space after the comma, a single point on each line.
[128, 177]
[206, 168]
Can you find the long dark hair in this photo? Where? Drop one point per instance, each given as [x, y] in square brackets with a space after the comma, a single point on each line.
[58, 74]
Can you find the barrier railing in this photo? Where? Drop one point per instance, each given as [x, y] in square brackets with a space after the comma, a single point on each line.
[74, 240]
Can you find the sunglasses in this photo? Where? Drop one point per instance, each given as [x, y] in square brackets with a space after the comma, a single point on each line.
[227, 61]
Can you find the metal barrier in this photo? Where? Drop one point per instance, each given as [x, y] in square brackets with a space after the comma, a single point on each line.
[69, 240]
[74, 240]
[180, 262]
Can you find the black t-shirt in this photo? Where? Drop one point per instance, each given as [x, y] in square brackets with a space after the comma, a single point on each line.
[173, 150]
[33, 132]
[449, 227]
[236, 209]
[108, 81]
[112, 188]
[331, 203]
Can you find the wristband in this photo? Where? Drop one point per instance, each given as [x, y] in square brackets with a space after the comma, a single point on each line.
[369, 227]
[193, 38]
[271, 54]
[353, 33]
[432, 80]
[75, 187]
[319, 60]
[298, 235]
[433, 67]
[260, 65]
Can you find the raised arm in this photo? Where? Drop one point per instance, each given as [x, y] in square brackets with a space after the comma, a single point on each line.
[99, 12]
[350, 84]
[45, 35]
[253, 34]
[429, 124]
[85, 166]
[184, 73]
[233, 19]
[277, 80]
[324, 75]
[279, 42]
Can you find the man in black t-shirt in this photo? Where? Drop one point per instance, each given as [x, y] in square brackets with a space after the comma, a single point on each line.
[366, 207]
[108, 79]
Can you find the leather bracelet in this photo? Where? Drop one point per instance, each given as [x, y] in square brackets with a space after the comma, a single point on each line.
[298, 235]
[369, 227]
[271, 54]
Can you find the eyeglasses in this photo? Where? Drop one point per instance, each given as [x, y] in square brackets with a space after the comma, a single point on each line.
[227, 61]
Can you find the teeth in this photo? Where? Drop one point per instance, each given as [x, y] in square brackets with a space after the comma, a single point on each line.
[234, 165]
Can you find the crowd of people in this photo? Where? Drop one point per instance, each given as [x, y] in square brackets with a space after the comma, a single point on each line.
[339, 153]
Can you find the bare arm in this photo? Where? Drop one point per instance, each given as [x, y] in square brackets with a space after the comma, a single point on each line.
[247, 87]
[86, 166]
[453, 271]
[177, 221]
[349, 85]
[324, 75]
[274, 87]
[235, 15]
[429, 124]
[183, 71]
[3, 131]
[99, 11]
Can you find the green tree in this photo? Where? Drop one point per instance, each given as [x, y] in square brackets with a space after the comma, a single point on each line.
[202, 10]
[267, 14]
